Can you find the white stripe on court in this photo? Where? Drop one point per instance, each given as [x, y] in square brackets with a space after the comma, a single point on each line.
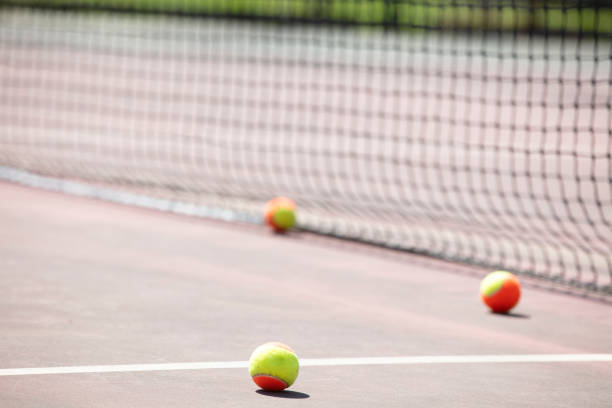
[319, 362]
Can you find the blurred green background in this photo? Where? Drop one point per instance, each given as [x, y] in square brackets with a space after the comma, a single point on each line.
[593, 16]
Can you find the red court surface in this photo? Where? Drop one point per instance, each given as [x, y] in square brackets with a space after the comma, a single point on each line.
[88, 283]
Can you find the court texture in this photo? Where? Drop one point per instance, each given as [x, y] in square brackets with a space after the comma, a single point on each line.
[425, 143]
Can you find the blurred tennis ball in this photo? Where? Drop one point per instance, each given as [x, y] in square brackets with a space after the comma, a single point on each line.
[274, 366]
[279, 213]
[500, 290]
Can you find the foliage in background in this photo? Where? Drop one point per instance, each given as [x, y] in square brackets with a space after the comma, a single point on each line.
[519, 15]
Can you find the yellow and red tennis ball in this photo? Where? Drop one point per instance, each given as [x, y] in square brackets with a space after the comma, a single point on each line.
[279, 213]
[500, 290]
[274, 366]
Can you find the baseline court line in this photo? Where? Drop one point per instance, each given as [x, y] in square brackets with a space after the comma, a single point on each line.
[318, 362]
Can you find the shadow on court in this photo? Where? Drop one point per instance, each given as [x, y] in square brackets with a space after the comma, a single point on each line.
[512, 315]
[284, 394]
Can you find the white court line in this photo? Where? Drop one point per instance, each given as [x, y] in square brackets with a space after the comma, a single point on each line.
[476, 359]
[123, 197]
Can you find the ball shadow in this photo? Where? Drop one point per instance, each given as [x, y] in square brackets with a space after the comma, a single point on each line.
[512, 314]
[284, 394]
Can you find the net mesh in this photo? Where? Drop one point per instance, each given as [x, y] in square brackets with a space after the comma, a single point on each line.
[469, 130]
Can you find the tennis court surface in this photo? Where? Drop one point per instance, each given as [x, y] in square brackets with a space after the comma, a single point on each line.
[426, 143]
[87, 283]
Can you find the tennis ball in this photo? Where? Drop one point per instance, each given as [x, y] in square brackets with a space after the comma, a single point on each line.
[500, 290]
[280, 213]
[273, 366]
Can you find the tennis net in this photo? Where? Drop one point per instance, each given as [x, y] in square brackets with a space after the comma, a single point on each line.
[476, 131]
